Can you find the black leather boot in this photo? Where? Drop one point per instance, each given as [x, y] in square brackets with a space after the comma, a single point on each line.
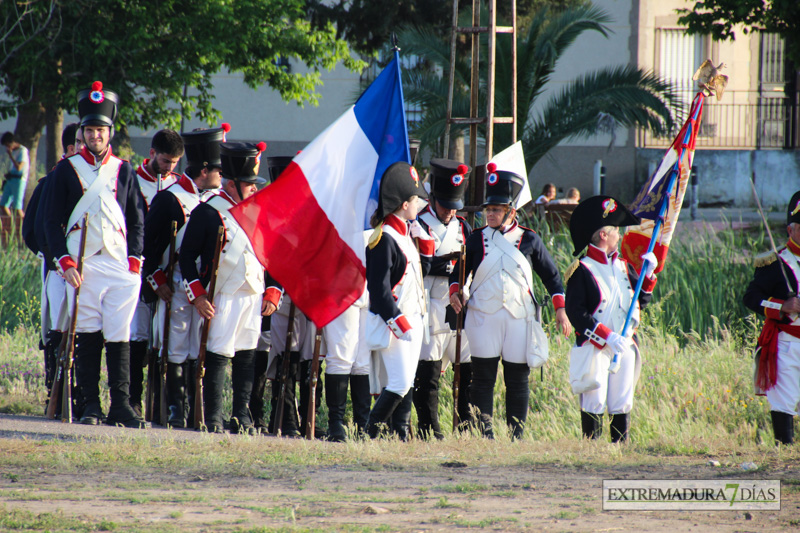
[257, 403]
[426, 398]
[783, 427]
[138, 362]
[242, 384]
[290, 423]
[518, 393]
[401, 417]
[305, 388]
[88, 356]
[381, 412]
[591, 425]
[118, 362]
[619, 427]
[213, 382]
[51, 357]
[191, 386]
[465, 411]
[176, 392]
[336, 398]
[361, 399]
[484, 374]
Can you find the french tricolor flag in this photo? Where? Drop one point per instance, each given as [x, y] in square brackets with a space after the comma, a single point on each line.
[307, 227]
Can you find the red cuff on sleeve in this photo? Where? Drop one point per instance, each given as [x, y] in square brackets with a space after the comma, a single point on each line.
[603, 332]
[65, 263]
[402, 323]
[273, 295]
[157, 279]
[134, 264]
[558, 301]
[427, 247]
[773, 311]
[453, 288]
[649, 284]
[194, 289]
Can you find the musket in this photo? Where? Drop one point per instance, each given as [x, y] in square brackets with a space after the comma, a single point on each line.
[312, 388]
[199, 412]
[68, 345]
[285, 365]
[165, 333]
[462, 266]
[151, 360]
[789, 288]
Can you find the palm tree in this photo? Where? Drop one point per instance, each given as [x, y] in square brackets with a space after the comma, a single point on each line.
[596, 102]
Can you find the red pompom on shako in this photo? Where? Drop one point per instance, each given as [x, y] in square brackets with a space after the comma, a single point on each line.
[448, 180]
[97, 95]
[225, 129]
[491, 179]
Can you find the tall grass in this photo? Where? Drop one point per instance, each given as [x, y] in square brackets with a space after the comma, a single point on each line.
[695, 391]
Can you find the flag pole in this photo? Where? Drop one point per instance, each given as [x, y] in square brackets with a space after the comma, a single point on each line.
[673, 178]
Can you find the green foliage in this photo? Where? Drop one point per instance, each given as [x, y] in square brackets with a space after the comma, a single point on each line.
[597, 102]
[718, 18]
[150, 53]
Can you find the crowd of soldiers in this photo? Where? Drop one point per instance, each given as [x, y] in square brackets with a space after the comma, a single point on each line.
[151, 267]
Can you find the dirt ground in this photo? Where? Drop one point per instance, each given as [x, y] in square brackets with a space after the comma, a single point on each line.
[443, 497]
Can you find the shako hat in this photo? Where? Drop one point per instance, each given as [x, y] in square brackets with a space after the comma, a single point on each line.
[793, 213]
[502, 186]
[97, 107]
[399, 183]
[202, 146]
[595, 213]
[276, 165]
[450, 181]
[241, 161]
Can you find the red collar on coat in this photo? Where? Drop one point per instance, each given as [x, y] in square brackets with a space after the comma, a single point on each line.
[595, 253]
[397, 223]
[92, 159]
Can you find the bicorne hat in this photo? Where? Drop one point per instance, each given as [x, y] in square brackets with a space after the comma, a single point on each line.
[399, 183]
[595, 213]
[449, 182]
[793, 213]
[97, 107]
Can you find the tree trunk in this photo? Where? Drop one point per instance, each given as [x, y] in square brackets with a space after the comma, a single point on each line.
[55, 125]
[30, 122]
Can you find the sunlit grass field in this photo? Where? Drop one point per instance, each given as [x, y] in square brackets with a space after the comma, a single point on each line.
[694, 394]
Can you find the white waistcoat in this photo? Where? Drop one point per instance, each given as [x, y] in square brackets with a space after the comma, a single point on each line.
[239, 268]
[447, 238]
[409, 290]
[502, 283]
[150, 188]
[616, 293]
[106, 227]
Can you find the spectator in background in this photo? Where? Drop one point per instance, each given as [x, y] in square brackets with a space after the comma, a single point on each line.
[548, 194]
[16, 178]
[573, 197]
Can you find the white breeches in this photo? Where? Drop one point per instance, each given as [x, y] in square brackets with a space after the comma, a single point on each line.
[142, 322]
[236, 324]
[497, 334]
[785, 395]
[615, 392]
[401, 357]
[108, 298]
[347, 352]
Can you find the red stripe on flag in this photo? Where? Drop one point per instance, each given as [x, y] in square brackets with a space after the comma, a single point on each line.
[301, 248]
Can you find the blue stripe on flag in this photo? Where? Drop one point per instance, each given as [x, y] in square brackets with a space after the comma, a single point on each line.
[382, 117]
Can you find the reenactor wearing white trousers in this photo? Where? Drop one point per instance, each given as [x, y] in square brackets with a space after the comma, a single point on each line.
[200, 181]
[53, 285]
[449, 186]
[347, 362]
[397, 295]
[240, 297]
[97, 183]
[773, 294]
[154, 175]
[501, 257]
[599, 295]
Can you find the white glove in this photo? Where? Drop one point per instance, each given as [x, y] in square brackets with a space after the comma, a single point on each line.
[416, 231]
[618, 343]
[652, 263]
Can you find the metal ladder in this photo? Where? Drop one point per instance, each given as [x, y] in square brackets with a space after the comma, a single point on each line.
[475, 193]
